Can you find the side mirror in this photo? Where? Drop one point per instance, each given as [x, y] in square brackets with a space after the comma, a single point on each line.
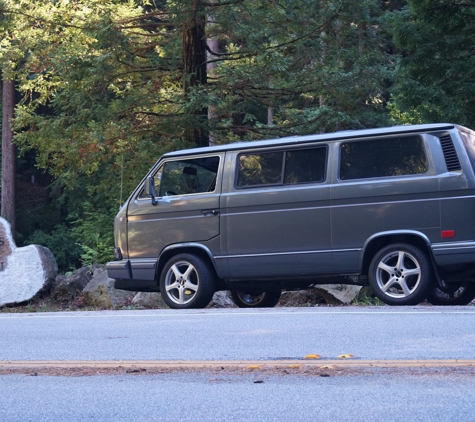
[150, 189]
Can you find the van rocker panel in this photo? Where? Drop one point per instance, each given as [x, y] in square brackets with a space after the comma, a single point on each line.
[454, 253]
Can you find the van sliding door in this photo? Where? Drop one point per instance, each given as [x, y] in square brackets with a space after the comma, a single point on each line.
[276, 215]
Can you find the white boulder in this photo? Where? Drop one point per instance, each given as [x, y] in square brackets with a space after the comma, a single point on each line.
[24, 272]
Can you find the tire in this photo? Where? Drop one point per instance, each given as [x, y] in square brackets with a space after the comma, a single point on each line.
[255, 298]
[186, 282]
[453, 294]
[400, 274]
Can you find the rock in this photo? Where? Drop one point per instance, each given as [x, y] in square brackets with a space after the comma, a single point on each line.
[335, 294]
[26, 272]
[99, 297]
[308, 297]
[221, 299]
[149, 300]
[66, 288]
[331, 294]
[100, 291]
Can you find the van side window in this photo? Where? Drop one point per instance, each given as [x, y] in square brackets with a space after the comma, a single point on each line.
[283, 167]
[184, 177]
[305, 165]
[382, 158]
[260, 169]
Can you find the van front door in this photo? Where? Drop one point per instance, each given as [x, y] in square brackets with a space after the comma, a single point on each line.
[186, 209]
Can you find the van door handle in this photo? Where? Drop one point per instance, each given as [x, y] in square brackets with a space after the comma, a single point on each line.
[209, 213]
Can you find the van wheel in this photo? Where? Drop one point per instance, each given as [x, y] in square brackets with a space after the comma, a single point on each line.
[400, 274]
[187, 282]
[453, 294]
[255, 299]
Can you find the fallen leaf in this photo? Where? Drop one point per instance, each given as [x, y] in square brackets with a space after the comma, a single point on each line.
[346, 356]
[312, 357]
[327, 367]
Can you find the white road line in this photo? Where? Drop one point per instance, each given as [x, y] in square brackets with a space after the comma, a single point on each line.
[181, 313]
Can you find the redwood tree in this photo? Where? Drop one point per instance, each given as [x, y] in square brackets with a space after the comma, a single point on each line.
[194, 68]
[8, 153]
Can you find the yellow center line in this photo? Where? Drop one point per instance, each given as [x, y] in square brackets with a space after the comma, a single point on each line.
[354, 363]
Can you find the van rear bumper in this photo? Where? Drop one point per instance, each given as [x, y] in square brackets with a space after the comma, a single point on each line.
[453, 253]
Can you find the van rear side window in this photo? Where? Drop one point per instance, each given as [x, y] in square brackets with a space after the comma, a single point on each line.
[385, 157]
[282, 168]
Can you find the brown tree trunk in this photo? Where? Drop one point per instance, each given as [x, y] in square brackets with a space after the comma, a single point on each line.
[213, 45]
[270, 116]
[8, 154]
[194, 70]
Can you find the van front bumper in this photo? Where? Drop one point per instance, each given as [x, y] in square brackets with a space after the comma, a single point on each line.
[134, 275]
[119, 269]
[137, 269]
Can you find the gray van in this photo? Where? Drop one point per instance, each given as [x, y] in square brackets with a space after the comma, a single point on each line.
[393, 208]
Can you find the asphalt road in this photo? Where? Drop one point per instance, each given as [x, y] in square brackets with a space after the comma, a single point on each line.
[298, 394]
[236, 334]
[210, 397]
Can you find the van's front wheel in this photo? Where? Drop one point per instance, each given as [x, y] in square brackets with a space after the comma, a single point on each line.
[187, 282]
[400, 274]
[255, 299]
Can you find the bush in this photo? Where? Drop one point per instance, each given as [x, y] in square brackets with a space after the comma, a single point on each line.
[62, 243]
[95, 235]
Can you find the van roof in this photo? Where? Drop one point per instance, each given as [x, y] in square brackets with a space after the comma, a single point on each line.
[292, 140]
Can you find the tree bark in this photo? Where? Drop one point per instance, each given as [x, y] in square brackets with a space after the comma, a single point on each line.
[213, 45]
[8, 154]
[270, 116]
[194, 70]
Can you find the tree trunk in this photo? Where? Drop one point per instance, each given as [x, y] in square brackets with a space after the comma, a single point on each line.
[194, 70]
[270, 116]
[8, 154]
[213, 45]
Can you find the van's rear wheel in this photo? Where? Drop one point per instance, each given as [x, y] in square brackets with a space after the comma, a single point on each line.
[187, 282]
[453, 294]
[255, 298]
[400, 274]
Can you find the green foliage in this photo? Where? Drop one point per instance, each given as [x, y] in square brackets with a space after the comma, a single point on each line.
[94, 235]
[323, 72]
[112, 79]
[99, 253]
[89, 241]
[436, 77]
[62, 244]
